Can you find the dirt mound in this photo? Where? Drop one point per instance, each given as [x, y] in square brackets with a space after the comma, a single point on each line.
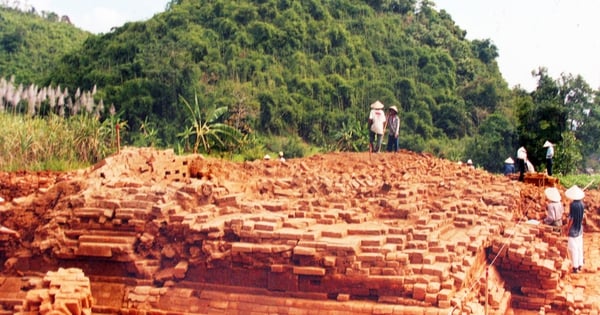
[400, 232]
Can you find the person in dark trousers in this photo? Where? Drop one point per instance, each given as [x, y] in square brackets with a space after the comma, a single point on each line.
[549, 156]
[574, 230]
[521, 158]
[393, 123]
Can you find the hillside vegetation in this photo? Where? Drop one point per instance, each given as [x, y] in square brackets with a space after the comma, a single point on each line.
[249, 77]
[31, 43]
[308, 68]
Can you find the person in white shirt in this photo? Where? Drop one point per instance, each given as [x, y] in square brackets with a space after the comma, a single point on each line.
[377, 123]
[549, 156]
[521, 158]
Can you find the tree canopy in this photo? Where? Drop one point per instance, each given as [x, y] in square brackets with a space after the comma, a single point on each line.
[306, 69]
[312, 66]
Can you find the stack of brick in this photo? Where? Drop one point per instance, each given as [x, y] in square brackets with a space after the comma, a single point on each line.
[66, 291]
[145, 164]
[16, 185]
[144, 297]
[531, 265]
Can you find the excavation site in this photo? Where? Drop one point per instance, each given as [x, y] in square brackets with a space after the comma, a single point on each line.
[146, 231]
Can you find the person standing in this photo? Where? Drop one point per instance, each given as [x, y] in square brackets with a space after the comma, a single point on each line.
[393, 123]
[549, 156]
[574, 230]
[521, 158]
[377, 123]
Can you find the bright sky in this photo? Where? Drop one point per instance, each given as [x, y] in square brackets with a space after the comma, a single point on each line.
[560, 35]
[99, 16]
[557, 34]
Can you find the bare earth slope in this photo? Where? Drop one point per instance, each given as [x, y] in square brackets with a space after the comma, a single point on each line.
[146, 231]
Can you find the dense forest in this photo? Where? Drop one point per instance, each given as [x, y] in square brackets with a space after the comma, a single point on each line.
[245, 77]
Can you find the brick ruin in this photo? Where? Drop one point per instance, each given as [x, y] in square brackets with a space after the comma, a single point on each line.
[149, 232]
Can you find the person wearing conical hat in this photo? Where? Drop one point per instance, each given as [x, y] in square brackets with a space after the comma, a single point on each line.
[574, 228]
[549, 156]
[509, 166]
[393, 123]
[377, 121]
[554, 208]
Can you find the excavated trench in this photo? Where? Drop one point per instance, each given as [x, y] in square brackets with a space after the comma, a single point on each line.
[146, 231]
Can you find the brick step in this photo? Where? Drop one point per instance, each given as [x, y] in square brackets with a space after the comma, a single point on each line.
[105, 250]
[132, 213]
[76, 233]
[107, 239]
[90, 212]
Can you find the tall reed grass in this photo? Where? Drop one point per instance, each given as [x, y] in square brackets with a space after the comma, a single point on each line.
[46, 128]
[53, 142]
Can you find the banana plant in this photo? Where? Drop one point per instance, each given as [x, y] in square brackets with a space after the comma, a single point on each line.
[206, 127]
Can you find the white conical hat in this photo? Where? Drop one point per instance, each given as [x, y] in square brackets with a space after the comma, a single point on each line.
[509, 161]
[575, 193]
[552, 194]
[548, 144]
[377, 105]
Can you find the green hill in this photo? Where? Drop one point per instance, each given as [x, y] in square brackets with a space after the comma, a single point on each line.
[284, 67]
[30, 44]
[251, 77]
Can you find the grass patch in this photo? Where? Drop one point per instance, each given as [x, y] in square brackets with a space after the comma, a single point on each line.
[581, 180]
[52, 142]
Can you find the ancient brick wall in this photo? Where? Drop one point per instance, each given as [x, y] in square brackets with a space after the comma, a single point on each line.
[399, 230]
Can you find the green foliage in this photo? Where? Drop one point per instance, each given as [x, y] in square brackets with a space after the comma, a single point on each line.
[452, 119]
[306, 69]
[567, 155]
[493, 143]
[30, 44]
[453, 150]
[303, 71]
[292, 147]
[52, 143]
[485, 50]
[205, 128]
[582, 106]
[352, 136]
[251, 148]
[581, 180]
[541, 117]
